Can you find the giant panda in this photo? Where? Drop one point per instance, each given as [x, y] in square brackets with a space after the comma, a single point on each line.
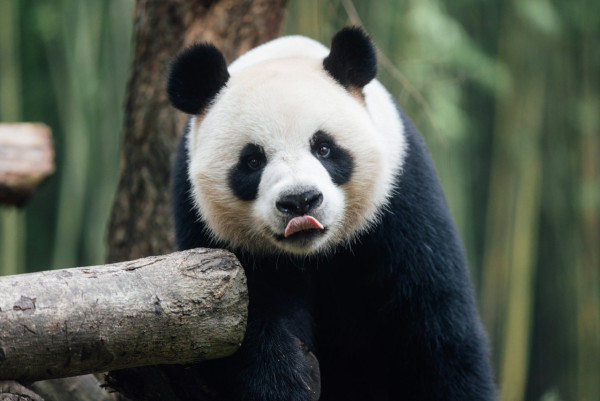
[299, 161]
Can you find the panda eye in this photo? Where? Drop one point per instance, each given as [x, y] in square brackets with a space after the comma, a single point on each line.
[324, 150]
[254, 162]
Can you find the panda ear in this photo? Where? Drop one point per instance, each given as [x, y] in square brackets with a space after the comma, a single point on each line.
[352, 60]
[195, 77]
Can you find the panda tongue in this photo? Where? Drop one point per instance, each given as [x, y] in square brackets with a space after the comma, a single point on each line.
[301, 223]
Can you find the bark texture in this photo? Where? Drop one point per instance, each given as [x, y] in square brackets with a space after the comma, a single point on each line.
[179, 308]
[26, 159]
[12, 391]
[79, 388]
[141, 223]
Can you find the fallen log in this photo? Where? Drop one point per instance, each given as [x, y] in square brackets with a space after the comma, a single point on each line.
[13, 391]
[173, 309]
[78, 388]
[26, 159]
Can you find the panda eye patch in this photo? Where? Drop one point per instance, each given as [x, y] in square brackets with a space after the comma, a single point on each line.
[252, 157]
[337, 161]
[244, 177]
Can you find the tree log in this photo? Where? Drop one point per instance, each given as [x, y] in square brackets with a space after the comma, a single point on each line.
[77, 388]
[179, 308]
[13, 391]
[26, 159]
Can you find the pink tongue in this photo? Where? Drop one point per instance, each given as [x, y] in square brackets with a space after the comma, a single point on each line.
[301, 223]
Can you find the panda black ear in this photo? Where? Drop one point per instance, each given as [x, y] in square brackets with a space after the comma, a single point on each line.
[352, 60]
[195, 77]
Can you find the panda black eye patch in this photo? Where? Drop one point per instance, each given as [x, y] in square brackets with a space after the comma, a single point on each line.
[337, 161]
[244, 177]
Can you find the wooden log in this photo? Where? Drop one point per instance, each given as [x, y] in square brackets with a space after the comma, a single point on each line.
[12, 391]
[173, 309]
[78, 388]
[26, 159]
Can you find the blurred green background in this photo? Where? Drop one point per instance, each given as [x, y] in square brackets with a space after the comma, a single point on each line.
[506, 93]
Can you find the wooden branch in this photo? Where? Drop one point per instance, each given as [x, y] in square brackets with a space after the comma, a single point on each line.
[13, 391]
[78, 388]
[26, 159]
[173, 309]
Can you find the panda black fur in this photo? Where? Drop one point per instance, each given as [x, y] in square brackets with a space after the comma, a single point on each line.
[375, 283]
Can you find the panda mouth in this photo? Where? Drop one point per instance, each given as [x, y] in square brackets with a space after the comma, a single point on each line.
[302, 223]
[302, 228]
[304, 235]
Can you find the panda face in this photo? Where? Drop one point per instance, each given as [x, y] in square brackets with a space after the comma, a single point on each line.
[293, 148]
[286, 160]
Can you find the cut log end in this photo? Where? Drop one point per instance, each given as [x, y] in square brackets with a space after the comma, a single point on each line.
[26, 160]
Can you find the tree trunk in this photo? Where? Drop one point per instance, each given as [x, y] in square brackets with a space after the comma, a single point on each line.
[141, 223]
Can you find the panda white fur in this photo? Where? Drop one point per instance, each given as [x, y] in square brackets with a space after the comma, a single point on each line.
[300, 162]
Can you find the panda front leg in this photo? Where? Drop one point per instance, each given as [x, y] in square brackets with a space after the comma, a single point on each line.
[276, 361]
[445, 352]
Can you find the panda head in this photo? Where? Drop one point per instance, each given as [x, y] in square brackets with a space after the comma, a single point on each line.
[284, 153]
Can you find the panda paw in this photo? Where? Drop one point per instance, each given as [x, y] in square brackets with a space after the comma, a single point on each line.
[290, 373]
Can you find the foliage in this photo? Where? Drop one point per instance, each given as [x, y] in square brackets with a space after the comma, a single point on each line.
[65, 63]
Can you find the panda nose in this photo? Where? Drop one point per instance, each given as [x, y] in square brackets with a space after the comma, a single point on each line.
[299, 204]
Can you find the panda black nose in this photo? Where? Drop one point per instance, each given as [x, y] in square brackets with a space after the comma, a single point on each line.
[299, 204]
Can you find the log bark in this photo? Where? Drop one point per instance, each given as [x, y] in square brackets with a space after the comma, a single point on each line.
[12, 391]
[26, 159]
[79, 388]
[179, 308]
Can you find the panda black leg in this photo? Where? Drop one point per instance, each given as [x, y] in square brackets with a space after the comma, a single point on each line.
[276, 361]
[446, 352]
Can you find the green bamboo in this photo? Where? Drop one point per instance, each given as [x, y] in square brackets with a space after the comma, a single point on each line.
[113, 70]
[587, 267]
[513, 212]
[522, 242]
[12, 221]
[72, 49]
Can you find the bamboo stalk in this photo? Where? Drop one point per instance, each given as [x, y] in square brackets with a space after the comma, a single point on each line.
[513, 213]
[588, 261]
[12, 227]
[70, 73]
